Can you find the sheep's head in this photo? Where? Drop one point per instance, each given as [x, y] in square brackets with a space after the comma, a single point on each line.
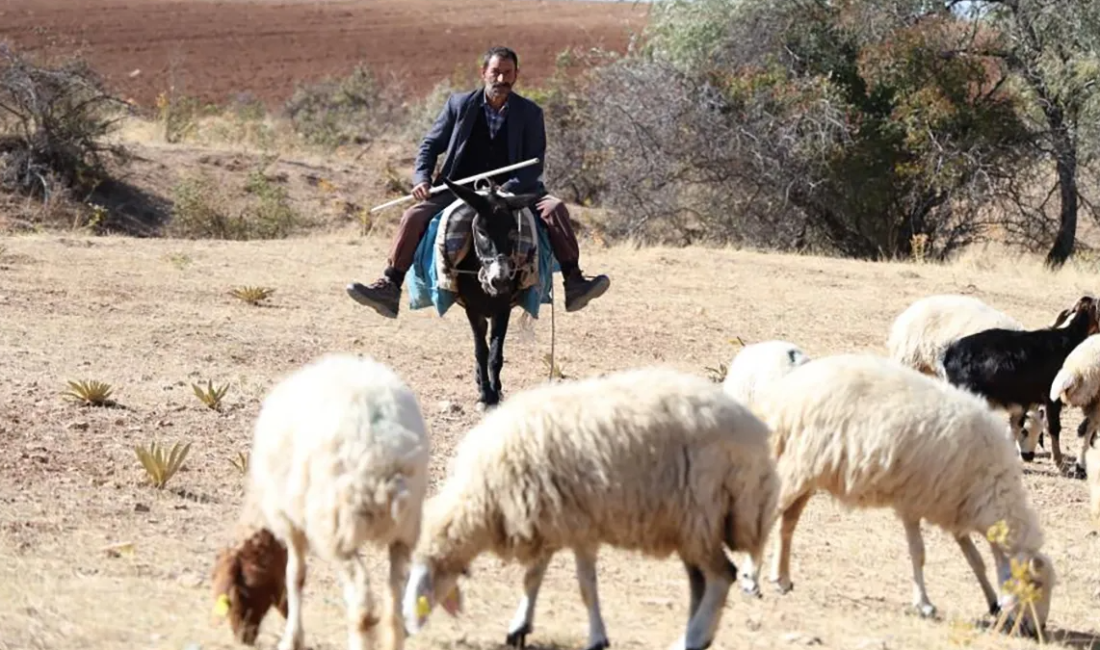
[426, 587]
[1026, 591]
[1034, 425]
[248, 580]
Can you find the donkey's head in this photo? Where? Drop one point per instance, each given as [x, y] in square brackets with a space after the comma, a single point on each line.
[495, 228]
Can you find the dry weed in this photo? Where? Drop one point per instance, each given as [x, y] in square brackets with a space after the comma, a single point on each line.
[160, 466]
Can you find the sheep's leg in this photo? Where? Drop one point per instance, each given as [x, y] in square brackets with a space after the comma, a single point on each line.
[697, 583]
[400, 554]
[524, 620]
[360, 617]
[1054, 424]
[781, 569]
[480, 328]
[1086, 431]
[717, 577]
[295, 582]
[916, 555]
[585, 560]
[496, 352]
[974, 559]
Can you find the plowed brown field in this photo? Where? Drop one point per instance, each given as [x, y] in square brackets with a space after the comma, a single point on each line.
[214, 49]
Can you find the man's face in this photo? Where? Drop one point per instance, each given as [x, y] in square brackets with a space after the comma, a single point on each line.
[499, 75]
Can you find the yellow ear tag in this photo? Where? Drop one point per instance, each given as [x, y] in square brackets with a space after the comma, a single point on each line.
[221, 607]
[422, 606]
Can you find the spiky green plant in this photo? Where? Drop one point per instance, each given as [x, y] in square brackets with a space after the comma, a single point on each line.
[717, 374]
[252, 295]
[159, 465]
[555, 369]
[240, 462]
[211, 396]
[89, 392]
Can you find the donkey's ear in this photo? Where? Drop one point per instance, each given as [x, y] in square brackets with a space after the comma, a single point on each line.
[470, 197]
[520, 200]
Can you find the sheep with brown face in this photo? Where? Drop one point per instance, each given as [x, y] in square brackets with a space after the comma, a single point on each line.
[248, 579]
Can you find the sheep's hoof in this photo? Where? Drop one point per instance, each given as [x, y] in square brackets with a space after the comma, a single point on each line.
[1079, 472]
[751, 587]
[518, 638]
[782, 586]
[927, 610]
[602, 645]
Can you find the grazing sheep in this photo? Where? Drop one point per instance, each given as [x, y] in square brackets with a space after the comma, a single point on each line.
[249, 576]
[651, 460]
[1078, 384]
[920, 334]
[339, 459]
[873, 434]
[755, 366]
[1014, 369]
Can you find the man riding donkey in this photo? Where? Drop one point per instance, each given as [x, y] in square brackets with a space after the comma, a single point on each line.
[482, 130]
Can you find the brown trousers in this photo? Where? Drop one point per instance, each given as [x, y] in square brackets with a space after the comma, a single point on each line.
[414, 221]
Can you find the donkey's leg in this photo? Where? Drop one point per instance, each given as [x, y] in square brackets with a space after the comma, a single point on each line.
[480, 328]
[496, 353]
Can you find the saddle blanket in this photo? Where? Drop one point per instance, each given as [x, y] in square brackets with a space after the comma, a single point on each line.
[447, 240]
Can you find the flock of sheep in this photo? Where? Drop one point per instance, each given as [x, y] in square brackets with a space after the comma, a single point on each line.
[664, 463]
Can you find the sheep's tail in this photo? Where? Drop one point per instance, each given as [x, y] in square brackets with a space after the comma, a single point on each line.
[1064, 382]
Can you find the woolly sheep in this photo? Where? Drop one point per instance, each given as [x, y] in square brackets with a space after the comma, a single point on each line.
[1077, 383]
[340, 458]
[755, 366]
[651, 460]
[920, 334]
[874, 433]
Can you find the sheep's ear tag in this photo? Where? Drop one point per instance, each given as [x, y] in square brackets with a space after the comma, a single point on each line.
[221, 607]
[453, 602]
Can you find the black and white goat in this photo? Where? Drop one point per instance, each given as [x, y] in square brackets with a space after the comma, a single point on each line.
[1014, 369]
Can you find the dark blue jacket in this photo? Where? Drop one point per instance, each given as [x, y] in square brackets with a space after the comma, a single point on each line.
[451, 131]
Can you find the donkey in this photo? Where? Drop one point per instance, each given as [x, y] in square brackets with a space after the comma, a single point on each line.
[487, 279]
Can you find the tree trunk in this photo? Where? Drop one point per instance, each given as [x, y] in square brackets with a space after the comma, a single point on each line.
[1065, 161]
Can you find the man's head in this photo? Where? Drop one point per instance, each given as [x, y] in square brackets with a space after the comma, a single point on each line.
[499, 68]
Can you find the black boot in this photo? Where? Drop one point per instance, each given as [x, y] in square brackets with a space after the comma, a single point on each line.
[580, 291]
[383, 295]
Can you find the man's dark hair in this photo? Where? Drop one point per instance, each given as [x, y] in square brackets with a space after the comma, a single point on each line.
[501, 51]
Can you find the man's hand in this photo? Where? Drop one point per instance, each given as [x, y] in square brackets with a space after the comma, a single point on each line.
[421, 191]
[547, 205]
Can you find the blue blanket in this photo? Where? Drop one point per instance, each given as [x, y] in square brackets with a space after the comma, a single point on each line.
[424, 292]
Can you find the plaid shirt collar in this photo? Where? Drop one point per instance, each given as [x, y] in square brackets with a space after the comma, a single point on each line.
[492, 117]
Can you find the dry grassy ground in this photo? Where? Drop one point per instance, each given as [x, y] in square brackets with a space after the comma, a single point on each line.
[153, 316]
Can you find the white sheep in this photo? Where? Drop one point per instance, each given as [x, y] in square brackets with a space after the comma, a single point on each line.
[650, 459]
[875, 434]
[1078, 384]
[340, 458]
[921, 333]
[757, 365]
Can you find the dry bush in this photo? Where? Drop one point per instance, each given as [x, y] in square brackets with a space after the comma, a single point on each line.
[354, 109]
[54, 122]
[205, 209]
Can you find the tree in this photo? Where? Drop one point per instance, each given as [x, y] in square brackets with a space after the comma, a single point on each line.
[1051, 47]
